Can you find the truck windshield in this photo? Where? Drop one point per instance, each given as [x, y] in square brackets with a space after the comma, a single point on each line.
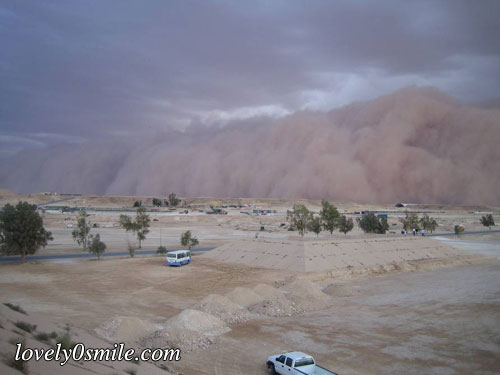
[304, 362]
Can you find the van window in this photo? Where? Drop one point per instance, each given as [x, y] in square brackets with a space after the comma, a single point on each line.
[289, 362]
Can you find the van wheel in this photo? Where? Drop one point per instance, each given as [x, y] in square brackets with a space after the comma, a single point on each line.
[271, 369]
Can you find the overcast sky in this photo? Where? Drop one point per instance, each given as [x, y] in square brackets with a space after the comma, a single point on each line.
[73, 70]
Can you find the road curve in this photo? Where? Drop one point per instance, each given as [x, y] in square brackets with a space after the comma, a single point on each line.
[138, 253]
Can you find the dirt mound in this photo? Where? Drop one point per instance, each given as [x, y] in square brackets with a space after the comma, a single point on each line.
[341, 290]
[189, 330]
[125, 329]
[306, 295]
[223, 308]
[198, 321]
[244, 296]
[274, 302]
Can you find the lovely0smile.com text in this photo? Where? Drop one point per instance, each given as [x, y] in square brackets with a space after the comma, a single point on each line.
[80, 353]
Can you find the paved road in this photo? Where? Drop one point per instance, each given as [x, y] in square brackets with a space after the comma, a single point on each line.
[57, 201]
[138, 253]
[464, 233]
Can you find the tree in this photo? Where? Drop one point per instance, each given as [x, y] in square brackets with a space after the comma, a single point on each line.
[329, 216]
[315, 225]
[162, 250]
[188, 240]
[173, 200]
[156, 202]
[459, 229]
[21, 230]
[96, 246]
[345, 224]
[410, 221]
[370, 223]
[488, 221]
[433, 225]
[137, 203]
[82, 230]
[299, 218]
[139, 226]
[428, 223]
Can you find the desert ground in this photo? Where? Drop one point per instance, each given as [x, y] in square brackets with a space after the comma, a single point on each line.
[360, 304]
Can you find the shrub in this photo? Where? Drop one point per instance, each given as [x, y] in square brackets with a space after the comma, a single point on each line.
[15, 340]
[131, 371]
[65, 341]
[25, 326]
[19, 365]
[459, 229]
[15, 308]
[42, 336]
[161, 250]
[131, 249]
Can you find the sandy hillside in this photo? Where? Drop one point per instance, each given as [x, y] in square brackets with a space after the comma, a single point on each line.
[324, 255]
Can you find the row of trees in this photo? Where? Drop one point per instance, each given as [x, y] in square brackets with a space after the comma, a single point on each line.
[412, 221]
[22, 231]
[171, 201]
[329, 219]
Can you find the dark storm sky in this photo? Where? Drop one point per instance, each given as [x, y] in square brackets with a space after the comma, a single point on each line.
[71, 71]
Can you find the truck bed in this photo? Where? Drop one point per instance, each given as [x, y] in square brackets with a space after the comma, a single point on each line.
[319, 371]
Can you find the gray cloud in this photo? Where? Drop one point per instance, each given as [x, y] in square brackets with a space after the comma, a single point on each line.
[84, 67]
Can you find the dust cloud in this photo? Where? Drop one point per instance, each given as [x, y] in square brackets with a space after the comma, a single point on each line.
[415, 145]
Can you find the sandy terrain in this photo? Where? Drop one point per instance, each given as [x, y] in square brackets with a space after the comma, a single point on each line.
[361, 304]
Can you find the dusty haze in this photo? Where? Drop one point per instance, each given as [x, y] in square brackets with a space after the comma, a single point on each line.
[416, 145]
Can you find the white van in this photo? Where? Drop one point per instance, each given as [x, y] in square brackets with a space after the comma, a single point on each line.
[178, 257]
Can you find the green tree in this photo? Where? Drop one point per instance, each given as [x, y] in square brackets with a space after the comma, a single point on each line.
[137, 203]
[370, 223]
[410, 221]
[329, 216]
[162, 250]
[173, 200]
[96, 246]
[188, 240]
[21, 230]
[428, 223]
[345, 224]
[433, 224]
[299, 218]
[139, 226]
[156, 202]
[80, 233]
[315, 225]
[488, 221]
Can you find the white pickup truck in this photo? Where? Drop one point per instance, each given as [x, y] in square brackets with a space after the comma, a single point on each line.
[295, 363]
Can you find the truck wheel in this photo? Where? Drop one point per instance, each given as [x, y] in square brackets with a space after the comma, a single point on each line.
[271, 369]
